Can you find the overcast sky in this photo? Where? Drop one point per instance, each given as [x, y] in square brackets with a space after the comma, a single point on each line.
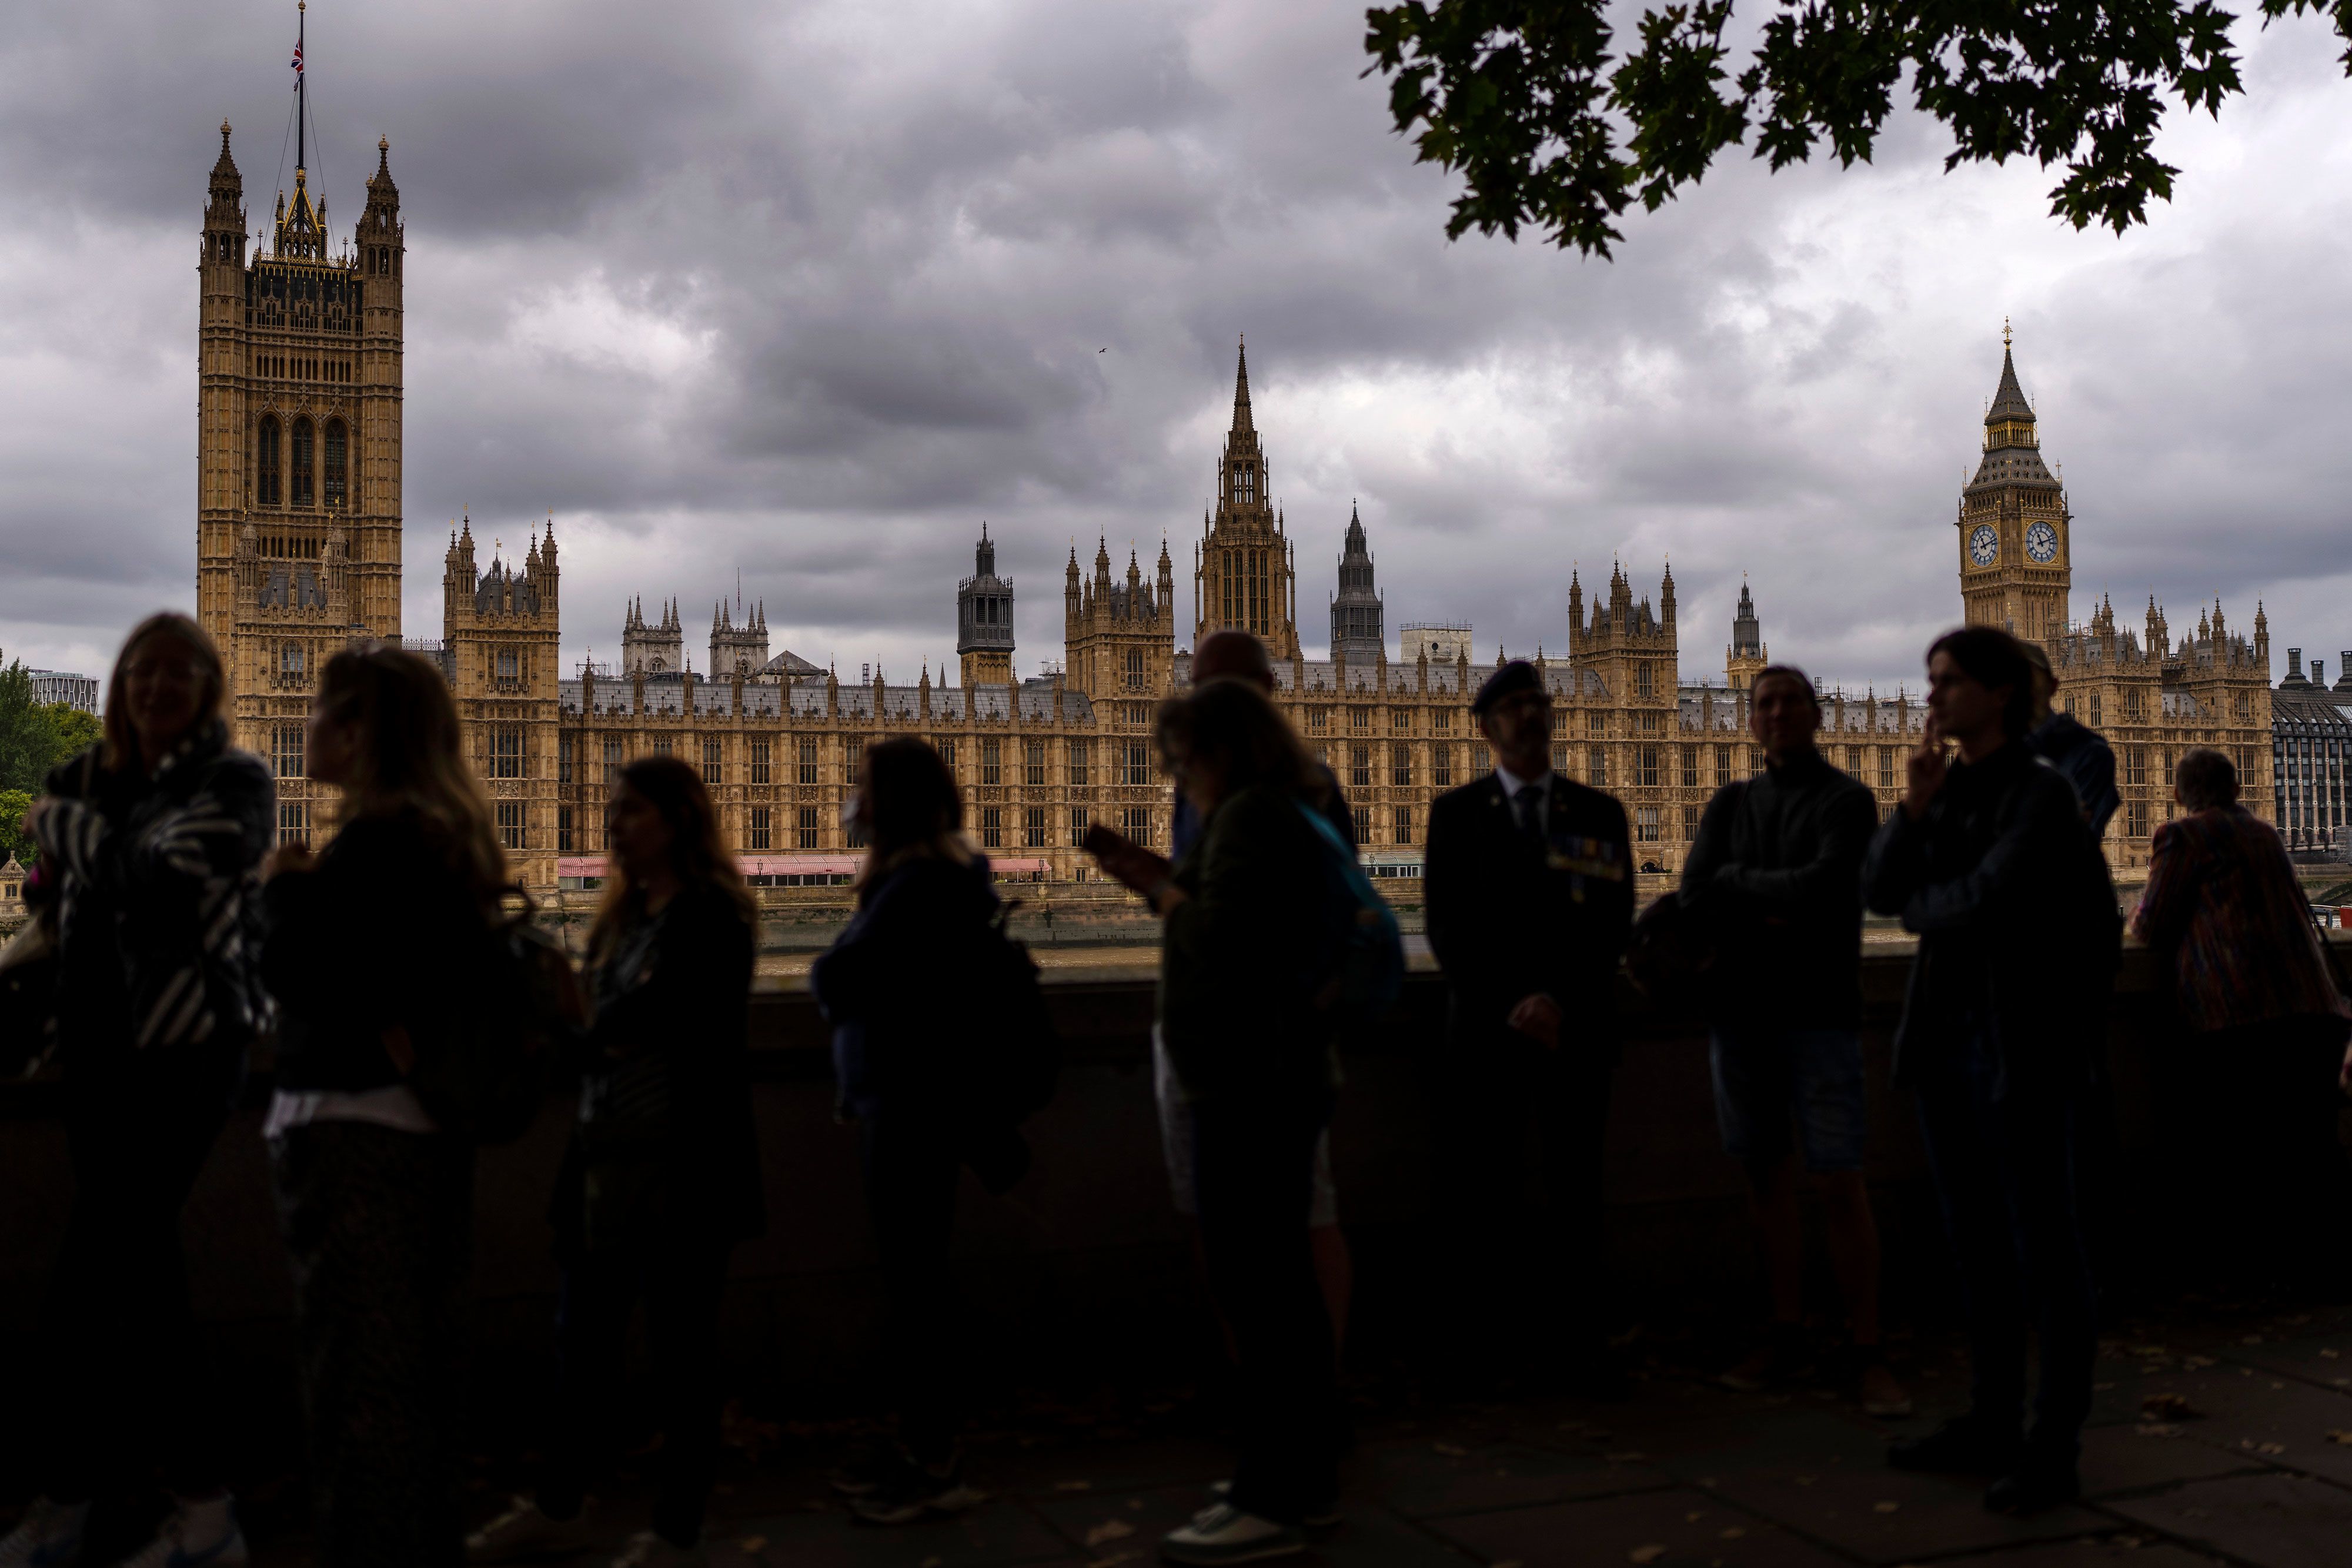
[808, 291]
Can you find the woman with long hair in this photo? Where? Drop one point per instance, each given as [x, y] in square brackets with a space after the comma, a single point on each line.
[896, 986]
[378, 951]
[152, 838]
[663, 1175]
[1245, 938]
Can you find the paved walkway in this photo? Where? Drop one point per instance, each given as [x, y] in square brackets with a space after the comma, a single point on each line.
[2228, 1441]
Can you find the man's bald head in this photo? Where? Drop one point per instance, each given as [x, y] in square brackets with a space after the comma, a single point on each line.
[1232, 656]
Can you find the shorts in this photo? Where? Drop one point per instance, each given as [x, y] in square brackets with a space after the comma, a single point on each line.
[1176, 1144]
[1772, 1082]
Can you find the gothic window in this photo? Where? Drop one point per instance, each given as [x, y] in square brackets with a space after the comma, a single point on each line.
[1400, 720]
[1441, 766]
[564, 830]
[1360, 767]
[1596, 771]
[1363, 816]
[612, 760]
[662, 745]
[1138, 824]
[1319, 721]
[1641, 679]
[1078, 761]
[511, 833]
[1138, 765]
[563, 761]
[946, 747]
[293, 821]
[1723, 765]
[1135, 669]
[1482, 760]
[506, 751]
[1559, 755]
[1360, 721]
[1690, 766]
[992, 760]
[991, 827]
[1690, 823]
[1034, 763]
[763, 835]
[713, 771]
[1595, 721]
[285, 751]
[336, 495]
[2135, 819]
[1401, 826]
[509, 665]
[299, 489]
[804, 834]
[1645, 824]
[1441, 721]
[1400, 765]
[1081, 821]
[1649, 762]
[265, 482]
[1032, 828]
[289, 661]
[808, 764]
[1886, 768]
[760, 760]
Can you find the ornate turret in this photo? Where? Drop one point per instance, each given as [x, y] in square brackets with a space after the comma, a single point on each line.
[1244, 572]
[984, 618]
[1357, 630]
[2016, 560]
[739, 638]
[1746, 656]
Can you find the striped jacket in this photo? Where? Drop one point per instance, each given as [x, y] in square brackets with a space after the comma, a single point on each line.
[2223, 905]
[160, 898]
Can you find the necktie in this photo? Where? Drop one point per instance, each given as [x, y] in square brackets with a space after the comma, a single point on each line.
[1530, 810]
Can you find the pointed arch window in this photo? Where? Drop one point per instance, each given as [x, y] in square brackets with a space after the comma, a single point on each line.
[265, 470]
[299, 489]
[337, 496]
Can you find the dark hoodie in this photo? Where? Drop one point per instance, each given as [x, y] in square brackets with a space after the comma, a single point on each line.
[2087, 762]
[896, 984]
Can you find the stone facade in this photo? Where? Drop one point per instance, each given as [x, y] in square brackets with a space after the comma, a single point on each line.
[298, 553]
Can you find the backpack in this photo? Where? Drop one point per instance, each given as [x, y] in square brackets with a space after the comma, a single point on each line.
[485, 1079]
[1360, 970]
[1019, 1062]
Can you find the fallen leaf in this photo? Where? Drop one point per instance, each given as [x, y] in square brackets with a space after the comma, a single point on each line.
[2271, 1448]
[2167, 1408]
[1110, 1530]
[1885, 1507]
[2339, 1437]
[1647, 1554]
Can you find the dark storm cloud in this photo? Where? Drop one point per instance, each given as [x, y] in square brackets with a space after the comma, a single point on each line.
[806, 293]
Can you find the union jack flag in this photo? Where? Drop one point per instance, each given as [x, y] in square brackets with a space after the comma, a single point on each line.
[298, 60]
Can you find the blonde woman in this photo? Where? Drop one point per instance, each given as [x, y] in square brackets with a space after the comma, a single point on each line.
[377, 947]
[154, 836]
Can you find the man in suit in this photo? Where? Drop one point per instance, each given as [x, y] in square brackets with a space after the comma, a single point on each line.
[1529, 883]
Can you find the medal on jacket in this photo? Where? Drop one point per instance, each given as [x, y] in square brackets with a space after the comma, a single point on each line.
[1582, 857]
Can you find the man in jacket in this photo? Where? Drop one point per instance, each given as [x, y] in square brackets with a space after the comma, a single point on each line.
[2087, 762]
[1529, 889]
[1990, 862]
[1776, 876]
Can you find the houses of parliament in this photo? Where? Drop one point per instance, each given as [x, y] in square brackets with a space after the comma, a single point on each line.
[299, 552]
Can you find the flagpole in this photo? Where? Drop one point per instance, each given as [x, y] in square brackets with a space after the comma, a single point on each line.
[302, 83]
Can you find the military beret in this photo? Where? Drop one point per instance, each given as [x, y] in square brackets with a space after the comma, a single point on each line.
[1513, 678]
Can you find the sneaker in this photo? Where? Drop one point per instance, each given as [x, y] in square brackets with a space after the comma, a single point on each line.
[1880, 1393]
[1779, 1360]
[1325, 1518]
[870, 1468]
[917, 1492]
[195, 1535]
[2032, 1487]
[1223, 1533]
[647, 1549]
[47, 1536]
[1962, 1444]
[523, 1532]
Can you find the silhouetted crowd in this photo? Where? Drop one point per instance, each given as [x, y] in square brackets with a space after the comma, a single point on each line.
[416, 1012]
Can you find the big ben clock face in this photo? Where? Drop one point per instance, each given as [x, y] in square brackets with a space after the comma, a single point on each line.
[2041, 543]
[1984, 545]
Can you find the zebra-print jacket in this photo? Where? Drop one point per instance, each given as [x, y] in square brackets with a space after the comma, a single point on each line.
[160, 902]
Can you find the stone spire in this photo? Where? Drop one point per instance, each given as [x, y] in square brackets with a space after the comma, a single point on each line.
[1241, 388]
[1358, 631]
